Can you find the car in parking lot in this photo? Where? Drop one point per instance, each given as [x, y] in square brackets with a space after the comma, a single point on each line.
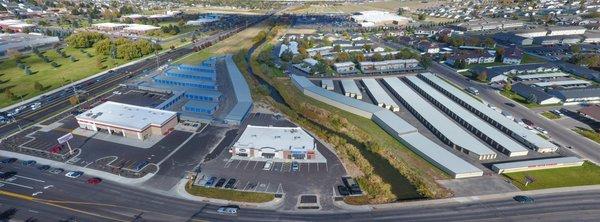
[74, 174]
[56, 171]
[268, 165]
[94, 181]
[230, 183]
[523, 199]
[295, 166]
[7, 175]
[228, 210]
[43, 167]
[352, 185]
[343, 190]
[9, 160]
[28, 162]
[210, 181]
[220, 182]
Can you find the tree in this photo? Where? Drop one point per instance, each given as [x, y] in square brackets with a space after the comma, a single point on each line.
[342, 57]
[103, 47]
[377, 57]
[421, 17]
[507, 87]
[400, 11]
[575, 48]
[359, 57]
[84, 39]
[38, 86]
[368, 47]
[287, 56]
[482, 77]
[337, 48]
[499, 54]
[9, 94]
[489, 42]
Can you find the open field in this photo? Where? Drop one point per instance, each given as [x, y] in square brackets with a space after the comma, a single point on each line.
[22, 85]
[228, 194]
[390, 5]
[231, 45]
[590, 134]
[223, 10]
[588, 174]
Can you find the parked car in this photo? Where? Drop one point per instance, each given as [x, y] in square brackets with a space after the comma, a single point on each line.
[352, 185]
[36, 105]
[9, 160]
[28, 162]
[268, 165]
[527, 122]
[523, 199]
[210, 182]
[228, 210]
[56, 171]
[230, 184]
[7, 175]
[343, 190]
[94, 181]
[295, 166]
[220, 182]
[74, 174]
[43, 167]
[140, 165]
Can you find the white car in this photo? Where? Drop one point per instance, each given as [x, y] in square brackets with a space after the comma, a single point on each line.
[117, 93]
[36, 105]
[268, 165]
[74, 174]
[227, 210]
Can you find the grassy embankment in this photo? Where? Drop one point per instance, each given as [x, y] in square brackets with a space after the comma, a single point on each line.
[383, 163]
[550, 115]
[587, 174]
[228, 194]
[590, 134]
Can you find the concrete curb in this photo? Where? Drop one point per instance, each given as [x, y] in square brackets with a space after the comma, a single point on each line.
[88, 171]
[179, 189]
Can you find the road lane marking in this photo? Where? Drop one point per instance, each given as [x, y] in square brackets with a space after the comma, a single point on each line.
[16, 184]
[29, 178]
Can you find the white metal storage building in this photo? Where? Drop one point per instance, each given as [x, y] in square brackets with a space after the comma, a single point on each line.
[438, 123]
[477, 126]
[496, 119]
[350, 88]
[395, 126]
[379, 95]
[539, 164]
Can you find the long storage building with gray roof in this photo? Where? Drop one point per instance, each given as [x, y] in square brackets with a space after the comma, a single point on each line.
[395, 126]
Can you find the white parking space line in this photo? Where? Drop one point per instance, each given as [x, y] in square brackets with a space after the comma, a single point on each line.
[16, 184]
[238, 165]
[246, 187]
[255, 163]
[247, 162]
[29, 178]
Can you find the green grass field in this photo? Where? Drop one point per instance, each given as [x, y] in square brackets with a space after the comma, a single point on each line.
[530, 59]
[550, 115]
[22, 85]
[590, 134]
[587, 174]
[228, 194]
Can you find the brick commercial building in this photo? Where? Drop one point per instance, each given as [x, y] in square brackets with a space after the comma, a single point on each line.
[127, 120]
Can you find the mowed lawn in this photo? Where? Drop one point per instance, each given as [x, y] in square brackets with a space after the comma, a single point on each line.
[587, 174]
[22, 85]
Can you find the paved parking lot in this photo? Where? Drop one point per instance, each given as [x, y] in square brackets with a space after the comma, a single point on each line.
[310, 178]
[139, 98]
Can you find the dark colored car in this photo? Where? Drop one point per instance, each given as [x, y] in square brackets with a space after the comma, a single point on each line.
[28, 162]
[56, 171]
[43, 167]
[230, 183]
[7, 175]
[210, 182]
[523, 199]
[220, 182]
[528, 122]
[343, 190]
[94, 181]
[9, 160]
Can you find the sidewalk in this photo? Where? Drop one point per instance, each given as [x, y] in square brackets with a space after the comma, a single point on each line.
[179, 189]
[88, 171]
[364, 208]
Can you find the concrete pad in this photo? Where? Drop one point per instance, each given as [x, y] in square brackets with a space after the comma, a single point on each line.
[144, 144]
[478, 186]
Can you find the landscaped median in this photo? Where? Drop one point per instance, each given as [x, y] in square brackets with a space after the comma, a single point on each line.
[590, 134]
[587, 174]
[228, 194]
[550, 115]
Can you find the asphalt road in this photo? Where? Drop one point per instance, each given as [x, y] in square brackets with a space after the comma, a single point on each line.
[584, 147]
[73, 198]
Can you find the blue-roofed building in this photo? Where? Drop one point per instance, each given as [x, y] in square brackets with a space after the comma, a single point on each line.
[208, 108]
[243, 104]
[178, 81]
[192, 74]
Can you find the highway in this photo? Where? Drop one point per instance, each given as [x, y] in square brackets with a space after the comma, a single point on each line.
[584, 147]
[59, 101]
[66, 198]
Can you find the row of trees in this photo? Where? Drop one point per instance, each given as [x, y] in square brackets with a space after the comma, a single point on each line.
[122, 48]
[84, 39]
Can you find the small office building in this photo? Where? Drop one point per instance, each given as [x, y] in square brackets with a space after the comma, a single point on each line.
[271, 142]
[128, 121]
